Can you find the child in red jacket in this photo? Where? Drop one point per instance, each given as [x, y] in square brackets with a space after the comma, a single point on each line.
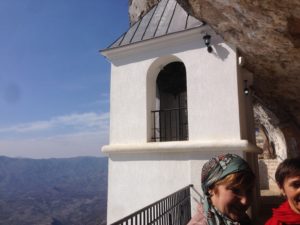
[288, 179]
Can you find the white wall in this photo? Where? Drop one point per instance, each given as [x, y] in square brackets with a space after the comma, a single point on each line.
[212, 91]
[138, 178]
[128, 114]
[212, 94]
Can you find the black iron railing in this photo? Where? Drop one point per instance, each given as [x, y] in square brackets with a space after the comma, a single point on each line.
[170, 124]
[174, 209]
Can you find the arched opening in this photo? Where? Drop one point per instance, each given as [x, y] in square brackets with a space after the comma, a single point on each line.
[270, 138]
[263, 141]
[171, 117]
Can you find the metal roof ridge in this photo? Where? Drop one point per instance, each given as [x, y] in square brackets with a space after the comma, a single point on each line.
[162, 19]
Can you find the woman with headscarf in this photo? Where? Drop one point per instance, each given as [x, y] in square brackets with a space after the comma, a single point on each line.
[227, 183]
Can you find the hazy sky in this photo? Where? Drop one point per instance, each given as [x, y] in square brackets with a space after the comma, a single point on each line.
[54, 84]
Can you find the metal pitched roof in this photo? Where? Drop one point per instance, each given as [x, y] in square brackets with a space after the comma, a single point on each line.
[164, 18]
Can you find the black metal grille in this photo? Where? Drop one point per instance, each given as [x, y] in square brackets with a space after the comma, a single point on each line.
[170, 124]
[174, 209]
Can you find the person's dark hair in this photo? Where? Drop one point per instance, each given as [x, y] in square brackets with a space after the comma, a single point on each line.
[287, 168]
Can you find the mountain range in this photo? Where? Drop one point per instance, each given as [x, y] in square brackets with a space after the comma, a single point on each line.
[69, 191]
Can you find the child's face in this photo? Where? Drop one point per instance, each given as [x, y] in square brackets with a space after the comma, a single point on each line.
[291, 188]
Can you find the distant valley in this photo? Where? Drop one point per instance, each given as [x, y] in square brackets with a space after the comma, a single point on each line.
[53, 191]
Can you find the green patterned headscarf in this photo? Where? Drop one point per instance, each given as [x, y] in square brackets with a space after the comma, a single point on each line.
[214, 170]
[219, 167]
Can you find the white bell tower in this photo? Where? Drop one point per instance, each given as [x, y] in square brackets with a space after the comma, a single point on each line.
[176, 101]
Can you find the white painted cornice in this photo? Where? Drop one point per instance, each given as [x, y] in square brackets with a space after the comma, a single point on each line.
[174, 39]
[183, 147]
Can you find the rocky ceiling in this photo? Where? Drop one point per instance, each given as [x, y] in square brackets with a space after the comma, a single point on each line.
[267, 35]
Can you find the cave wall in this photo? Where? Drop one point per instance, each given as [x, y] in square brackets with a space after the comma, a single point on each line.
[267, 34]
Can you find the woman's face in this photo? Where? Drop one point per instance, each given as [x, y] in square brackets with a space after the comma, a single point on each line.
[291, 189]
[232, 202]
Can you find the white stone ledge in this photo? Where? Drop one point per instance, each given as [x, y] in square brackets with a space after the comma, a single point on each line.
[183, 146]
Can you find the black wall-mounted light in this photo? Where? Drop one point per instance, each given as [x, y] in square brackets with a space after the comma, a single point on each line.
[206, 39]
[246, 89]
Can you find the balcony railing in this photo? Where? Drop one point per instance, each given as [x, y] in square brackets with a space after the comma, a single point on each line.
[174, 209]
[170, 124]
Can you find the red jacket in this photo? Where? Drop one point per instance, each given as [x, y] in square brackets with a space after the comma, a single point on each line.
[284, 215]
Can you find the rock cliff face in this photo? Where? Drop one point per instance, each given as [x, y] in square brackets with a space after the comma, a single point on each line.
[267, 35]
[137, 8]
